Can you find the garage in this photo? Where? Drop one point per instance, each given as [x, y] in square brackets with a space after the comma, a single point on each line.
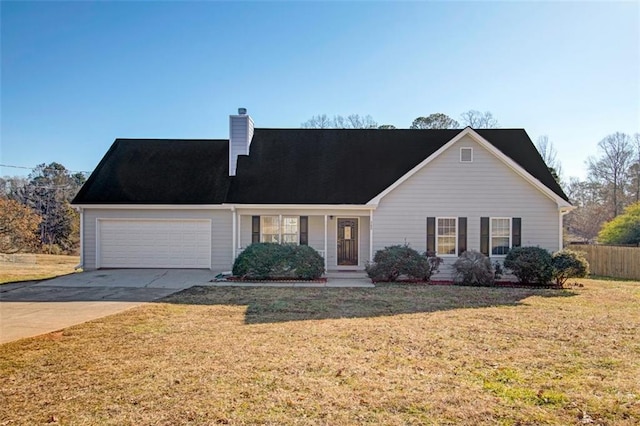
[161, 243]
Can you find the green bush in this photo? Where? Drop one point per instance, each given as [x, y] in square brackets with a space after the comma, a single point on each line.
[270, 260]
[473, 268]
[308, 264]
[532, 265]
[393, 261]
[569, 264]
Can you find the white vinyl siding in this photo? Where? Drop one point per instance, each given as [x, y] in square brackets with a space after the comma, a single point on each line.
[220, 233]
[445, 188]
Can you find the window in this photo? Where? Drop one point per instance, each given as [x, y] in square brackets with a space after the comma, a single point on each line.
[270, 229]
[466, 155]
[446, 235]
[500, 241]
[290, 230]
[276, 229]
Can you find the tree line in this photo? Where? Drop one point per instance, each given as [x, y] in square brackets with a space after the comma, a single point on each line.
[472, 118]
[36, 214]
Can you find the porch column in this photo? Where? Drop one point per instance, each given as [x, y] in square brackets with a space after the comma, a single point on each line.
[239, 244]
[370, 235]
[233, 234]
[326, 254]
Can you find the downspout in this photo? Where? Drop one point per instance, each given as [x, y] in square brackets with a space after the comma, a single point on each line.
[561, 212]
[81, 264]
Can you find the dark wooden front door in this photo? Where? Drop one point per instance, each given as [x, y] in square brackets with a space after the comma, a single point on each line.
[347, 242]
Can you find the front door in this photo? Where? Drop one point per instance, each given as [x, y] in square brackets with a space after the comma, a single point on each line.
[347, 242]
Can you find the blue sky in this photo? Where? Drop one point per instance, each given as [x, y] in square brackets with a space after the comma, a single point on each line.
[77, 75]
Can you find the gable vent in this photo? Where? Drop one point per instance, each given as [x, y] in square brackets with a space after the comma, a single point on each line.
[466, 155]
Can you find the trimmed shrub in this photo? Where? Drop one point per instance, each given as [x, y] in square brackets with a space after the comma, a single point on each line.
[270, 260]
[308, 264]
[569, 264]
[532, 265]
[393, 261]
[473, 268]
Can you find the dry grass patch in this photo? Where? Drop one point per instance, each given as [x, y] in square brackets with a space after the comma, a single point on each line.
[392, 355]
[36, 267]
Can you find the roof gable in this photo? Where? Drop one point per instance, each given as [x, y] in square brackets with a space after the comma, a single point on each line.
[524, 152]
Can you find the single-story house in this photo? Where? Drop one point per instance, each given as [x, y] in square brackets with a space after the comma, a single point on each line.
[347, 193]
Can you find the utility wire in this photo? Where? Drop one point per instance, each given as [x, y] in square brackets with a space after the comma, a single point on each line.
[45, 168]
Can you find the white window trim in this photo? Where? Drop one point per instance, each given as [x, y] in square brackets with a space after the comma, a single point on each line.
[280, 226]
[438, 235]
[470, 149]
[491, 236]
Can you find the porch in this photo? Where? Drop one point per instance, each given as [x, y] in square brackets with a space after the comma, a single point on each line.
[343, 237]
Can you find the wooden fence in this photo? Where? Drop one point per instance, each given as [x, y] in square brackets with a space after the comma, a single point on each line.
[612, 261]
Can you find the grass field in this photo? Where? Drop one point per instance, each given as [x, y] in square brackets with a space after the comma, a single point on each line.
[393, 355]
[37, 267]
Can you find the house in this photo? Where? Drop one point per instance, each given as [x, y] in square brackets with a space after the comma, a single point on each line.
[345, 192]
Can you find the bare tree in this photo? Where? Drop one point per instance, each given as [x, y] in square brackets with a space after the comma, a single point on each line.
[352, 121]
[591, 213]
[611, 170]
[321, 121]
[550, 156]
[479, 120]
[435, 121]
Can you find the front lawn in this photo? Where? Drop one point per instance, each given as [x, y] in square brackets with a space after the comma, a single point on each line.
[393, 355]
[37, 267]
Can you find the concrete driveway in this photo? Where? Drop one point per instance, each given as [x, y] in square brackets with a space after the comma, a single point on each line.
[34, 308]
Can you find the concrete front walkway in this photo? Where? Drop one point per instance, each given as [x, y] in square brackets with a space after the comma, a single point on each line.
[33, 308]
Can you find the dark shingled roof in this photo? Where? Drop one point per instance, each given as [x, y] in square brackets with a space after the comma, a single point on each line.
[338, 166]
[159, 171]
[285, 166]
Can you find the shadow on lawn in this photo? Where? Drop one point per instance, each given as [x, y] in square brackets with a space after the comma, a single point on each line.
[281, 304]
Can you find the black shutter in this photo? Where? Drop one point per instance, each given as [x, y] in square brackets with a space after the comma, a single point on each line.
[516, 232]
[431, 234]
[462, 235]
[304, 230]
[484, 236]
[255, 229]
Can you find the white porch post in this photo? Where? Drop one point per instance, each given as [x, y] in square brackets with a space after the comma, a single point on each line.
[239, 244]
[326, 254]
[370, 235]
[233, 234]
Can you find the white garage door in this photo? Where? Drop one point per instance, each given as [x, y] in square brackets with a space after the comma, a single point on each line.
[154, 243]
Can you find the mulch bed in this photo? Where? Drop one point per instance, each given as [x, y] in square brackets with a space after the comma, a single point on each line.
[273, 280]
[505, 284]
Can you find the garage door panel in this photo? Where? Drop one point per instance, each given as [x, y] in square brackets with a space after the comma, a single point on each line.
[154, 243]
